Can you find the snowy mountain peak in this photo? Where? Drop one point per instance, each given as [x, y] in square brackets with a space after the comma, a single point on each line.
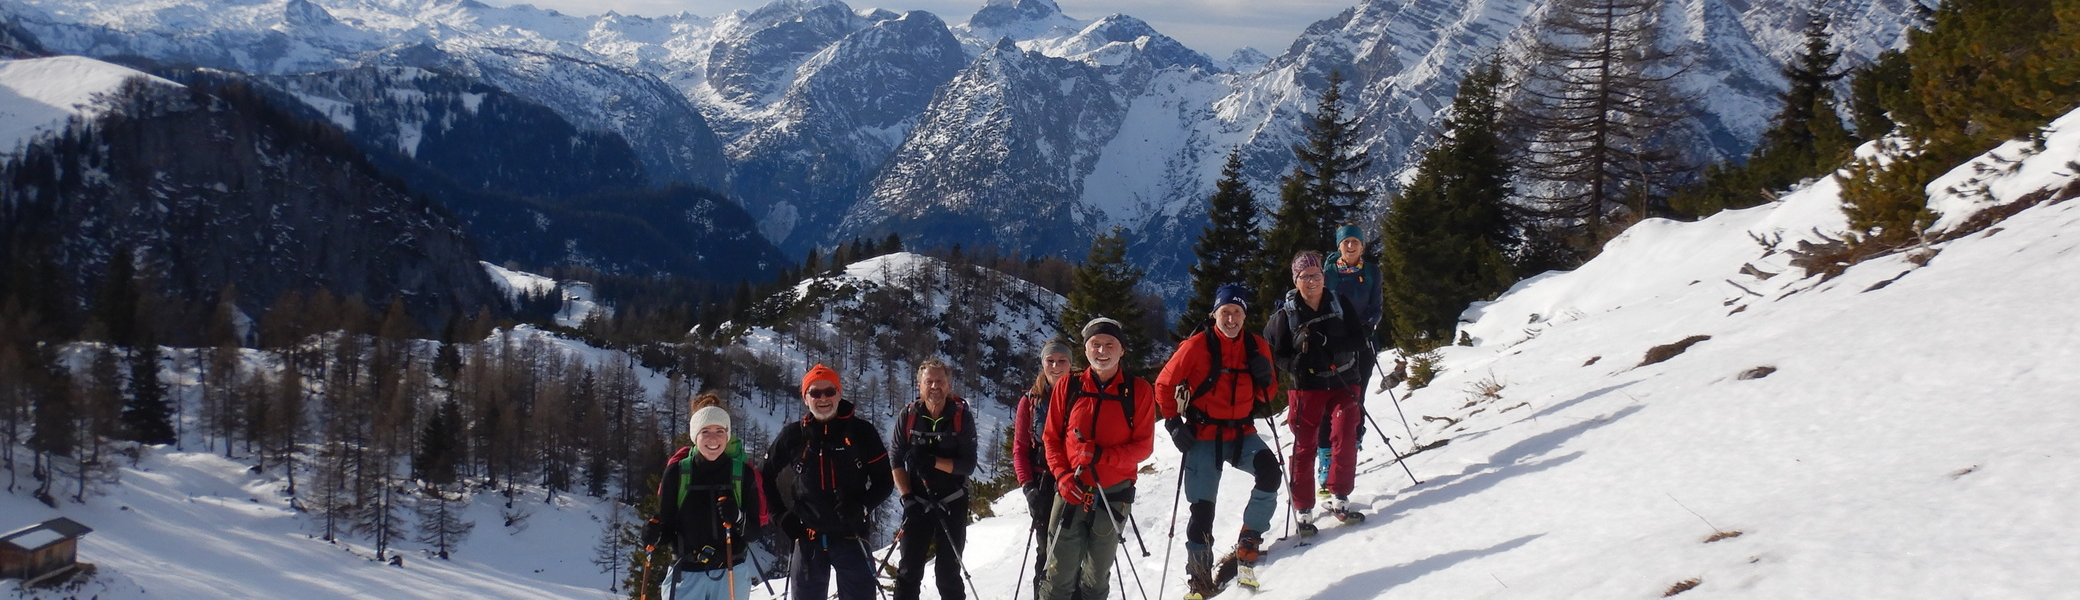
[1000, 13]
[307, 15]
[38, 95]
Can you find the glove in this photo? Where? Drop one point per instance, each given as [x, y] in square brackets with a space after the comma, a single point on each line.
[1072, 491]
[1180, 434]
[1259, 370]
[653, 532]
[794, 528]
[1301, 340]
[1039, 501]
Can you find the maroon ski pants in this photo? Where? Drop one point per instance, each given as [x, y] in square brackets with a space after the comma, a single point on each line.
[1304, 416]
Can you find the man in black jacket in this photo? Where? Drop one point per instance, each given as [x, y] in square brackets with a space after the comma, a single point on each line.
[828, 472]
[933, 447]
[1318, 338]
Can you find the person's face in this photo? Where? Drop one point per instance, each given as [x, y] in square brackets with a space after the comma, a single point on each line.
[1351, 249]
[1309, 282]
[1103, 351]
[1055, 365]
[1228, 318]
[711, 441]
[822, 400]
[932, 385]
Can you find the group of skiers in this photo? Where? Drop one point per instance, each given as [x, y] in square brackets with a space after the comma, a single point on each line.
[1079, 438]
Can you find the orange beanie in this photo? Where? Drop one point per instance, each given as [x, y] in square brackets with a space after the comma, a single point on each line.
[821, 373]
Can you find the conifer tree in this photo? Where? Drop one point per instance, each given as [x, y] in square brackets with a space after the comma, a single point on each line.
[1985, 71]
[1227, 248]
[1330, 161]
[1104, 287]
[147, 413]
[1598, 105]
[1806, 138]
[1296, 226]
[1446, 240]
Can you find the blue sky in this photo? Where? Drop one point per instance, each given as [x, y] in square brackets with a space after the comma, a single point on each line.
[1215, 27]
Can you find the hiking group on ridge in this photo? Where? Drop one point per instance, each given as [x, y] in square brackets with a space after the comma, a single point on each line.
[1078, 439]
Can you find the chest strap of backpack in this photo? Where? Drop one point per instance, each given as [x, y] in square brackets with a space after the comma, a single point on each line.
[736, 476]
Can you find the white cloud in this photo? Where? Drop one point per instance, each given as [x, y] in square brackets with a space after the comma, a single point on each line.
[1215, 27]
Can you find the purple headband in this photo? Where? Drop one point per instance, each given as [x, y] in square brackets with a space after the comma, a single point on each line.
[1306, 261]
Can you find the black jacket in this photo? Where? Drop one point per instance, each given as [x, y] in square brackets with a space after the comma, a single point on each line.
[827, 477]
[917, 441]
[1336, 353]
[706, 512]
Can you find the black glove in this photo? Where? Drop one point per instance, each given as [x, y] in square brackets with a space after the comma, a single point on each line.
[1180, 434]
[653, 532]
[794, 528]
[1259, 369]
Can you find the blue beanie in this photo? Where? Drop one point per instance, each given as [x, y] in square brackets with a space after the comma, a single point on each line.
[1232, 293]
[1347, 232]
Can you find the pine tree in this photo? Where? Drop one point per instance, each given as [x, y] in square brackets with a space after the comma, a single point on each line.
[1330, 160]
[1446, 240]
[1104, 287]
[1985, 71]
[441, 524]
[1227, 248]
[1806, 138]
[1598, 106]
[1295, 227]
[148, 414]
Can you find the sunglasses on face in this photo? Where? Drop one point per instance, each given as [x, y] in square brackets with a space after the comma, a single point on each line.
[823, 393]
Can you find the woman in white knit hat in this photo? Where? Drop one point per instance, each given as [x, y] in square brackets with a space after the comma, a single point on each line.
[710, 505]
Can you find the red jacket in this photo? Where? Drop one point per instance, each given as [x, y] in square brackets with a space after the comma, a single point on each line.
[1026, 457]
[1084, 427]
[1234, 393]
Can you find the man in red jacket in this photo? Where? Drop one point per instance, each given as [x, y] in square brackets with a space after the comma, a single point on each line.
[1100, 430]
[1214, 386]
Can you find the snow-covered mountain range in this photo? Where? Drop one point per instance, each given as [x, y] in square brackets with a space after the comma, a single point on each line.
[1022, 127]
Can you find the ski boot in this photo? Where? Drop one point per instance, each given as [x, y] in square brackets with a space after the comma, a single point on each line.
[1321, 474]
[1340, 507]
[1306, 526]
[1248, 550]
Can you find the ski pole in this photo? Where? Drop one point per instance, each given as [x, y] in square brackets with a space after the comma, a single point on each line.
[954, 548]
[1279, 452]
[762, 578]
[729, 562]
[1398, 458]
[863, 551]
[794, 562]
[1390, 395]
[1163, 581]
[1123, 540]
[643, 581]
[1025, 553]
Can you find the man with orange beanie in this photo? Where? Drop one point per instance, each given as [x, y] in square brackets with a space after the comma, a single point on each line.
[829, 471]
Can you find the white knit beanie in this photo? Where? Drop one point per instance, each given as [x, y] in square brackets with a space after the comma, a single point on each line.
[709, 415]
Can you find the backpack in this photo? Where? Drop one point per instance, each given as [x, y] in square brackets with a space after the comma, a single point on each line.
[910, 422]
[1126, 400]
[1214, 370]
[734, 452]
[1339, 365]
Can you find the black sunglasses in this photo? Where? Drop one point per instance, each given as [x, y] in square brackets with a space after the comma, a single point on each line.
[823, 393]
